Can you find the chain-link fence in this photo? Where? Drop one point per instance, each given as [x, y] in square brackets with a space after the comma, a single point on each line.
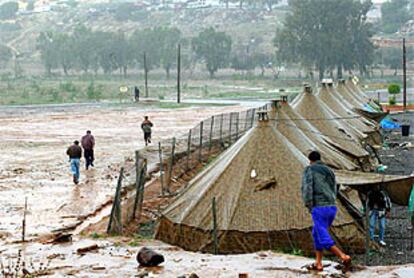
[171, 159]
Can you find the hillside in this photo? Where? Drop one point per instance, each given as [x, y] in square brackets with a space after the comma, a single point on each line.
[246, 26]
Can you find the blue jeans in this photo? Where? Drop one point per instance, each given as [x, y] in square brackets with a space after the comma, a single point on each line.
[74, 167]
[373, 216]
[322, 219]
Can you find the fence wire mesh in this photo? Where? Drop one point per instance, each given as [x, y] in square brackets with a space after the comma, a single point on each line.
[174, 157]
[196, 148]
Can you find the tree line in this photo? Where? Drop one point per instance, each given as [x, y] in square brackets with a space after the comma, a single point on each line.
[323, 35]
[86, 51]
[327, 35]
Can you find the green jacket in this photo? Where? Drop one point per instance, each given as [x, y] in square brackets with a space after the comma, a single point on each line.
[319, 187]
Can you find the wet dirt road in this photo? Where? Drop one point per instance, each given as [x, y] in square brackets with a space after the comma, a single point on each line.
[33, 161]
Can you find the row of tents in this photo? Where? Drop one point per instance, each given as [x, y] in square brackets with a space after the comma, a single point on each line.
[249, 198]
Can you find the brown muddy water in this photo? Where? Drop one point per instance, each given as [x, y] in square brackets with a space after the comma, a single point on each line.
[33, 161]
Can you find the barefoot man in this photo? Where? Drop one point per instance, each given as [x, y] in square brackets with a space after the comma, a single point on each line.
[319, 192]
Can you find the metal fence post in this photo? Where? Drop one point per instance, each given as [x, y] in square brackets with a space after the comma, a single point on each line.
[252, 118]
[221, 129]
[188, 150]
[237, 126]
[161, 169]
[210, 143]
[116, 212]
[246, 120]
[171, 162]
[200, 158]
[230, 125]
[137, 181]
[142, 188]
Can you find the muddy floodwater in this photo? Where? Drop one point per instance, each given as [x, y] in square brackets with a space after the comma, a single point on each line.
[33, 161]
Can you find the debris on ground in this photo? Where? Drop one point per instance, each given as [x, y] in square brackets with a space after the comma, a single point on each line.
[60, 238]
[147, 257]
[86, 249]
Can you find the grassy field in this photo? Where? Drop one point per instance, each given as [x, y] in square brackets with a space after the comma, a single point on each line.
[80, 89]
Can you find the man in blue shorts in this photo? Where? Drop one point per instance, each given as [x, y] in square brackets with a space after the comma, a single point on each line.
[319, 191]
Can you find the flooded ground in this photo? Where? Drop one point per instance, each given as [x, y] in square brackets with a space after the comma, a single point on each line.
[34, 164]
[116, 257]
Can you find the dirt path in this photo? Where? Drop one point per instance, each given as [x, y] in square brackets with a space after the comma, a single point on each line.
[33, 162]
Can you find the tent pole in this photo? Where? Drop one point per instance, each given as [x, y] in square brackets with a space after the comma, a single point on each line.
[367, 236]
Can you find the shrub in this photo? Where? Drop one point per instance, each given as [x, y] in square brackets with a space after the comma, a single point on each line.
[67, 87]
[394, 89]
[392, 100]
[56, 97]
[92, 92]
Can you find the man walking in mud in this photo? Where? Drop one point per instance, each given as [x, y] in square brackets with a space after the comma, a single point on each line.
[319, 191]
[146, 127]
[88, 143]
[75, 153]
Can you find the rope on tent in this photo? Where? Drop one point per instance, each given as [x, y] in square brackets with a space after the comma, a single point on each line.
[320, 133]
[319, 119]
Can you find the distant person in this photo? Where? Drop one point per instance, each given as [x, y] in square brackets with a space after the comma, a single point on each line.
[136, 94]
[379, 207]
[146, 127]
[88, 143]
[75, 153]
[319, 191]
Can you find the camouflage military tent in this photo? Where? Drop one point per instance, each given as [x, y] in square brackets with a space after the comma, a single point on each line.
[256, 185]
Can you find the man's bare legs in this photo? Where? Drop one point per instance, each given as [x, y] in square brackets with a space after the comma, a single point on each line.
[341, 255]
[318, 263]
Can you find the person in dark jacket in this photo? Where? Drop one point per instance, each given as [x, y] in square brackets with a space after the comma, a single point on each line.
[379, 207]
[75, 153]
[146, 127]
[319, 191]
[136, 94]
[88, 144]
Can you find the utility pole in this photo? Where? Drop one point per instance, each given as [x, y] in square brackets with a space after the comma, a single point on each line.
[179, 74]
[404, 75]
[146, 74]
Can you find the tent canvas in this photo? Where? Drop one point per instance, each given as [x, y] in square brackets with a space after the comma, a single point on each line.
[256, 183]
[398, 187]
[306, 137]
[339, 135]
[361, 127]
